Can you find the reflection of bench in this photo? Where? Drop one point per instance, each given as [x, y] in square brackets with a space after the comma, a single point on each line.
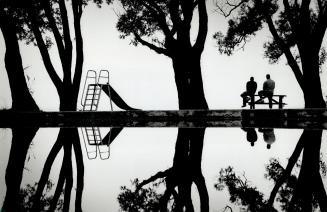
[257, 100]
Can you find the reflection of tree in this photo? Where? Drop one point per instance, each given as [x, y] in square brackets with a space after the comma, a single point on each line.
[21, 140]
[26, 195]
[178, 179]
[302, 193]
[67, 139]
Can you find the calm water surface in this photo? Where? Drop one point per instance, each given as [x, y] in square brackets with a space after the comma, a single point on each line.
[240, 167]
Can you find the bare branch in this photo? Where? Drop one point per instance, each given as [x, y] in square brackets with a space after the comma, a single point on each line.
[155, 48]
[153, 178]
[232, 7]
[44, 52]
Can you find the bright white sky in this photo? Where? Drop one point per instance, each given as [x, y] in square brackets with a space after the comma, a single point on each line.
[146, 80]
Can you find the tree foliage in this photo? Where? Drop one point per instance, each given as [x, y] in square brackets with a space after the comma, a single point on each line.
[26, 196]
[139, 199]
[161, 24]
[241, 192]
[252, 15]
[249, 198]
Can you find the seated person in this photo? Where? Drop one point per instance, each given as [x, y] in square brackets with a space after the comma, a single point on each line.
[268, 90]
[251, 88]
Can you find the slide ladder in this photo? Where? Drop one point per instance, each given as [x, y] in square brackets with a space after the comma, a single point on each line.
[90, 101]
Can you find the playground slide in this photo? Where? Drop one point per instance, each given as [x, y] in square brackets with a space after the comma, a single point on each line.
[116, 98]
[111, 135]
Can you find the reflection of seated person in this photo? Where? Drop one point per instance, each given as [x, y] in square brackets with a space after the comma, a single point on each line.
[268, 136]
[268, 90]
[251, 135]
[251, 87]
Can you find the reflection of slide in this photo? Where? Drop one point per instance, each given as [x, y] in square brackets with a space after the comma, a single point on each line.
[116, 98]
[111, 135]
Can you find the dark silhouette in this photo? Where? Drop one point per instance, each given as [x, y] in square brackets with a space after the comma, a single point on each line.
[251, 88]
[146, 18]
[26, 194]
[304, 192]
[251, 135]
[268, 136]
[297, 22]
[110, 91]
[267, 90]
[21, 140]
[21, 101]
[20, 95]
[241, 193]
[178, 179]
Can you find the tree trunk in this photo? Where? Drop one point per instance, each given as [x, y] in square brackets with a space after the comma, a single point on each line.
[188, 78]
[68, 99]
[21, 97]
[312, 91]
[21, 140]
[304, 191]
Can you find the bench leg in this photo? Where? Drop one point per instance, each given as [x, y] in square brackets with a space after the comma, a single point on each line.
[252, 103]
[280, 105]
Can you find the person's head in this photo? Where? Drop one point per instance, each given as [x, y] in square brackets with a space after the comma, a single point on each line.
[268, 76]
[251, 78]
[268, 146]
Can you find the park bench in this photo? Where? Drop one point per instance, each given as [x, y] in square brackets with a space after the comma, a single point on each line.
[257, 100]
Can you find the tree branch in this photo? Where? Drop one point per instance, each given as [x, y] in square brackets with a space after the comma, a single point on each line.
[153, 178]
[290, 17]
[305, 19]
[174, 14]
[69, 174]
[155, 48]
[290, 59]
[319, 30]
[80, 171]
[287, 172]
[203, 27]
[233, 7]
[44, 52]
[59, 187]
[77, 12]
[55, 30]
[160, 16]
[68, 42]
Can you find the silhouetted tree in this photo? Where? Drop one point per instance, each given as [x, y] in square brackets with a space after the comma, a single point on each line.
[297, 29]
[178, 179]
[42, 20]
[26, 195]
[303, 193]
[21, 97]
[241, 192]
[21, 101]
[140, 199]
[165, 27]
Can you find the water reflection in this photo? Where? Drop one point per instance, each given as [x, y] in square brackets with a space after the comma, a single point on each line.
[298, 184]
[305, 192]
[267, 133]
